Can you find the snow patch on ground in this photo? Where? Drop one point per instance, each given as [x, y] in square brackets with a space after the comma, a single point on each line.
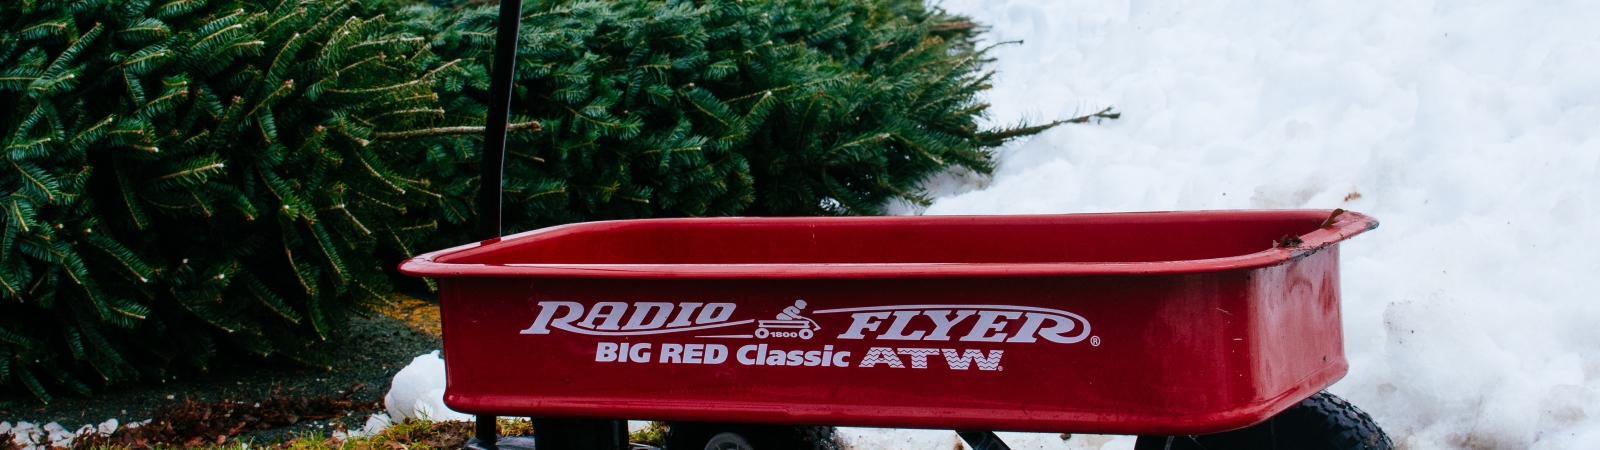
[1467, 127]
[418, 391]
[29, 436]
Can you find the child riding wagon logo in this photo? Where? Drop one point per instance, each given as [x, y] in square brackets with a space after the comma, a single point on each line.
[789, 319]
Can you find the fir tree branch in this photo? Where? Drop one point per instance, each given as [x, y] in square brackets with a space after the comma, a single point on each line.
[997, 137]
[297, 12]
[387, 41]
[36, 182]
[59, 26]
[431, 225]
[380, 89]
[187, 172]
[524, 155]
[793, 86]
[959, 25]
[450, 131]
[145, 57]
[435, 111]
[541, 194]
[375, 173]
[357, 63]
[340, 207]
[369, 198]
[203, 40]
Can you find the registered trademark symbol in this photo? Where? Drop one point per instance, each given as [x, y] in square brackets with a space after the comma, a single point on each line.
[1094, 340]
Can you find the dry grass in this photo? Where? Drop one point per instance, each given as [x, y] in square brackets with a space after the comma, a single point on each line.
[415, 313]
[195, 424]
[207, 426]
[655, 434]
[408, 435]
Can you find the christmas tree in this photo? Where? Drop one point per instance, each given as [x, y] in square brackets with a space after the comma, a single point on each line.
[188, 177]
[191, 178]
[676, 108]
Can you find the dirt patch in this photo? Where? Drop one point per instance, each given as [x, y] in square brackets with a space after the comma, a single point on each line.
[373, 350]
[191, 424]
[416, 313]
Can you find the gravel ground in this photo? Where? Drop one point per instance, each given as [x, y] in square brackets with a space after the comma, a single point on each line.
[376, 349]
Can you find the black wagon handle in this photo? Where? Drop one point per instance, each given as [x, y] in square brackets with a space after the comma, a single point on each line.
[492, 169]
[501, 74]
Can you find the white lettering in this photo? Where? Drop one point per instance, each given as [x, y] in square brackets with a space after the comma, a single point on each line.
[884, 355]
[989, 321]
[607, 352]
[962, 361]
[642, 310]
[715, 312]
[640, 353]
[671, 353]
[692, 353]
[863, 322]
[749, 360]
[547, 311]
[611, 312]
[1052, 334]
[919, 356]
[716, 353]
[942, 322]
[897, 329]
[685, 311]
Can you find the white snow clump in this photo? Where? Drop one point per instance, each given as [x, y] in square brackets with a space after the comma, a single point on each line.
[29, 436]
[418, 392]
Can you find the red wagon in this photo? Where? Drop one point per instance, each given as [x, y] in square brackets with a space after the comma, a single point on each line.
[1195, 330]
[1183, 324]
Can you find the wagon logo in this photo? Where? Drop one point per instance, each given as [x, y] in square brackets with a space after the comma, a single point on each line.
[789, 319]
[638, 318]
[983, 323]
[967, 323]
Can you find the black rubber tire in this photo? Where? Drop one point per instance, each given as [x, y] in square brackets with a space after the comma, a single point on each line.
[728, 441]
[695, 436]
[1322, 422]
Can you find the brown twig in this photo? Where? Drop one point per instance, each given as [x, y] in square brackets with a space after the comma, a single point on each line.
[997, 137]
[450, 131]
[959, 25]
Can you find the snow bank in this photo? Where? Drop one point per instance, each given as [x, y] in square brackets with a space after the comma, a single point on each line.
[418, 392]
[1467, 127]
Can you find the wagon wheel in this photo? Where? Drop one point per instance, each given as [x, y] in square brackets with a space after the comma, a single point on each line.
[1322, 422]
[720, 436]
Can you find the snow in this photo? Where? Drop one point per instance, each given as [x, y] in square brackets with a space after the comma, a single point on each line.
[29, 436]
[418, 392]
[375, 424]
[1467, 127]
